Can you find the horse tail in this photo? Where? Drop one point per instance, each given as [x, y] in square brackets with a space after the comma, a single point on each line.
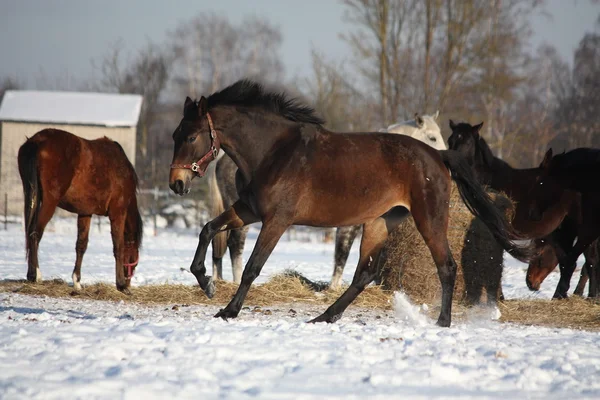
[216, 207]
[28, 168]
[482, 206]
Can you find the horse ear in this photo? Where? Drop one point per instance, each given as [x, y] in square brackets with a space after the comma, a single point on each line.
[188, 105]
[419, 120]
[477, 128]
[436, 115]
[547, 158]
[202, 106]
[452, 125]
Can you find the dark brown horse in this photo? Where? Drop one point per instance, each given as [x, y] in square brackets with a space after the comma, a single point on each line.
[560, 223]
[546, 260]
[291, 170]
[85, 177]
[577, 170]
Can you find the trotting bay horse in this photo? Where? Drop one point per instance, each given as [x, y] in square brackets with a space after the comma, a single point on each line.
[560, 222]
[85, 177]
[576, 170]
[292, 171]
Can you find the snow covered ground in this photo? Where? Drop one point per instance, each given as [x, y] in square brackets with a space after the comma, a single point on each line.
[72, 348]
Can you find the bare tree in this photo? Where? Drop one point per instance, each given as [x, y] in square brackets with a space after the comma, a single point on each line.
[147, 74]
[211, 52]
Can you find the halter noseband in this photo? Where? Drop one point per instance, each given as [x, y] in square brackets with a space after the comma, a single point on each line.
[199, 167]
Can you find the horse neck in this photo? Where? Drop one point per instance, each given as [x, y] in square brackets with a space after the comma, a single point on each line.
[247, 137]
[514, 182]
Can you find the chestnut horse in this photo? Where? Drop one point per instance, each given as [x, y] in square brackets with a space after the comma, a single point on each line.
[577, 170]
[292, 171]
[85, 177]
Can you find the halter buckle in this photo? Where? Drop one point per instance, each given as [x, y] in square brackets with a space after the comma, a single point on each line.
[195, 167]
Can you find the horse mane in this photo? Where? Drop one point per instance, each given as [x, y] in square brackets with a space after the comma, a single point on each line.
[582, 157]
[249, 93]
[139, 232]
[486, 152]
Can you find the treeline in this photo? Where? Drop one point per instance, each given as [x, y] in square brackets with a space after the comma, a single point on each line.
[470, 59]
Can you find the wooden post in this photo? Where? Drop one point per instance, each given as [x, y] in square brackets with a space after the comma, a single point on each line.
[5, 211]
[155, 210]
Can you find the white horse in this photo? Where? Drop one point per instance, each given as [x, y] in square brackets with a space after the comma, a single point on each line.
[423, 128]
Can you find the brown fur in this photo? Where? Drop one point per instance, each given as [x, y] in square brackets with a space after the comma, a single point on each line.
[86, 177]
[292, 171]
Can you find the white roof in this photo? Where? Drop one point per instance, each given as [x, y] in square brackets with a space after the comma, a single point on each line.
[81, 108]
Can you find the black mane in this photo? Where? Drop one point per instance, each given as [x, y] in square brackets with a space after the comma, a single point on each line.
[252, 94]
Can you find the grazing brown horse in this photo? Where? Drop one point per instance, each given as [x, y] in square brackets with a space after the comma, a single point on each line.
[292, 171]
[544, 263]
[86, 177]
[577, 170]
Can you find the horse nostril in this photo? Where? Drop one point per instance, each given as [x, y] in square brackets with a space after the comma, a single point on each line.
[179, 186]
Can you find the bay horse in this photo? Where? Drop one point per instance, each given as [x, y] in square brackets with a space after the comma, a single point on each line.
[576, 170]
[85, 177]
[222, 195]
[292, 171]
[565, 212]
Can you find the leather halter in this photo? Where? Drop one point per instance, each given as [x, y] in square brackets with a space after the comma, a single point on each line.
[199, 167]
[131, 267]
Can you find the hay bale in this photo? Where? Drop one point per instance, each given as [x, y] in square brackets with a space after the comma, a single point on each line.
[478, 256]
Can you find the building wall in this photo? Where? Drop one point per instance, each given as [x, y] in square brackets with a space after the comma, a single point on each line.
[14, 134]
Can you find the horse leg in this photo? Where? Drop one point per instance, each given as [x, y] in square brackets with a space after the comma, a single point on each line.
[236, 241]
[83, 233]
[235, 217]
[267, 240]
[374, 236]
[431, 221]
[46, 212]
[583, 278]
[344, 237]
[567, 267]
[117, 230]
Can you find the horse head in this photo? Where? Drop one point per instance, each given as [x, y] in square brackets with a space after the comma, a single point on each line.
[423, 128]
[196, 145]
[540, 265]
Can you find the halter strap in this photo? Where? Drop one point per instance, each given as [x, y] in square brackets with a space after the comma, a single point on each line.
[199, 167]
[130, 267]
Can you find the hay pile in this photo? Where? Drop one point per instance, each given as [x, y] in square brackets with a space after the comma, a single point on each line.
[478, 256]
[287, 287]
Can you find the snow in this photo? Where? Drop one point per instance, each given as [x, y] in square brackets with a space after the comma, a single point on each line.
[73, 348]
[104, 109]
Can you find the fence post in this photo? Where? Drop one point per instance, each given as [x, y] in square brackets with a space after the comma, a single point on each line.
[98, 220]
[5, 211]
[155, 207]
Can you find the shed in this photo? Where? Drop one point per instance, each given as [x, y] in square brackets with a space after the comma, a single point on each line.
[88, 115]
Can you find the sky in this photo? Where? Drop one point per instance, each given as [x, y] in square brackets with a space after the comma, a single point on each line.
[59, 38]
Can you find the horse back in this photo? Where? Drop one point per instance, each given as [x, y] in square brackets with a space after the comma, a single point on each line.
[371, 172]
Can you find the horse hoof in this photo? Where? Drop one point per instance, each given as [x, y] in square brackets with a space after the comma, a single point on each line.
[325, 318]
[210, 288]
[444, 323]
[226, 314]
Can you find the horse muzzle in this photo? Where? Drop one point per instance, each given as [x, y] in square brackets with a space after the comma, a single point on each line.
[533, 286]
[180, 187]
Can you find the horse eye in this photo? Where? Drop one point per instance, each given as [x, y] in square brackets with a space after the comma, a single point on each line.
[191, 139]
[433, 139]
